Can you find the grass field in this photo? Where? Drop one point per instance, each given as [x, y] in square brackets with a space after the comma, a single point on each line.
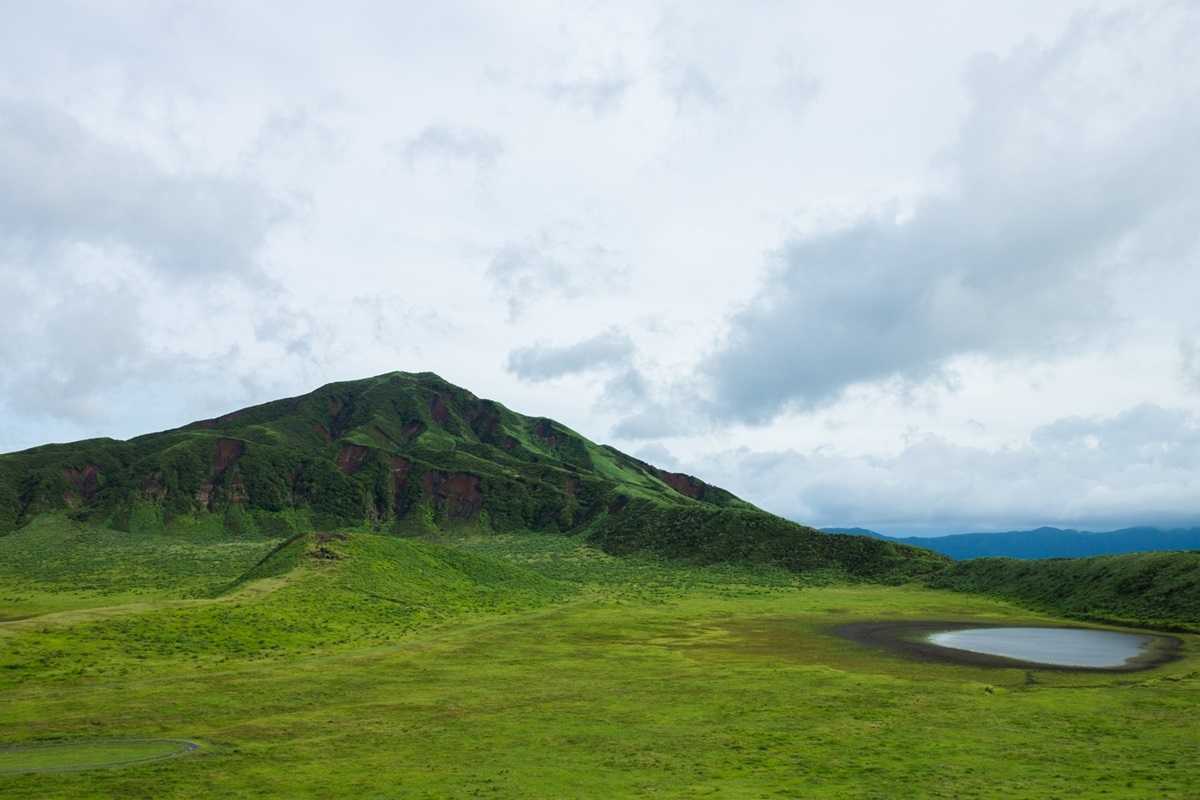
[526, 667]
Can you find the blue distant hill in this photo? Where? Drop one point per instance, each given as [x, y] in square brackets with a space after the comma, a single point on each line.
[1047, 542]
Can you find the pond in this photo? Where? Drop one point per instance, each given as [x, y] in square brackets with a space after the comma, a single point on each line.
[1008, 646]
[1063, 647]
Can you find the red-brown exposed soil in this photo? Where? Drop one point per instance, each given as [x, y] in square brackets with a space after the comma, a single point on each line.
[508, 443]
[617, 504]
[687, 485]
[484, 418]
[320, 429]
[85, 481]
[350, 458]
[400, 468]
[226, 453]
[334, 406]
[906, 638]
[572, 487]
[414, 429]
[152, 490]
[545, 429]
[460, 494]
[224, 456]
[438, 410]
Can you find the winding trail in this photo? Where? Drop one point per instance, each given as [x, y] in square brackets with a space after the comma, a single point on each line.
[184, 747]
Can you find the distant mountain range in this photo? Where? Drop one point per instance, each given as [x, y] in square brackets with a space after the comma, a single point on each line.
[1047, 542]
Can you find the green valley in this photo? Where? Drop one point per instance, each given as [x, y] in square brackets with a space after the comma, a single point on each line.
[393, 589]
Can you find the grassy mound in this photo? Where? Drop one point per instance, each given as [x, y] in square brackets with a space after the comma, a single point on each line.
[1159, 589]
[707, 535]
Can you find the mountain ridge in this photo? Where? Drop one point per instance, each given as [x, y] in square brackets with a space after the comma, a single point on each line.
[409, 454]
[1047, 542]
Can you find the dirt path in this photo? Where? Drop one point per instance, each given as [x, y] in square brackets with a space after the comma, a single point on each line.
[184, 747]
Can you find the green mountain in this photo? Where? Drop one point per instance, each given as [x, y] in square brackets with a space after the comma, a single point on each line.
[411, 454]
[1156, 589]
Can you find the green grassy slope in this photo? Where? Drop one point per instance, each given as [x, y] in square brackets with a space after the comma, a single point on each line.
[1159, 589]
[682, 682]
[411, 455]
[312, 593]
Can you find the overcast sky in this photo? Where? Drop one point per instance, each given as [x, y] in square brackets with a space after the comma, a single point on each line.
[922, 267]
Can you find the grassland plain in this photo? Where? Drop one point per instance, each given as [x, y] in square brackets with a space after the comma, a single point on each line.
[368, 666]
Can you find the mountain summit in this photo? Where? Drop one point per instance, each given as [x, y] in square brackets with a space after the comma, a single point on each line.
[411, 454]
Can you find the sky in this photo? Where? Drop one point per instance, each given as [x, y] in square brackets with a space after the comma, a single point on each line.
[921, 267]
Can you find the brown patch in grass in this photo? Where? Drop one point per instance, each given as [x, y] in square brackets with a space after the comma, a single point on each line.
[350, 459]
[86, 481]
[438, 410]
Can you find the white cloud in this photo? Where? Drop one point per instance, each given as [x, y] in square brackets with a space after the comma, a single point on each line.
[1138, 467]
[1076, 159]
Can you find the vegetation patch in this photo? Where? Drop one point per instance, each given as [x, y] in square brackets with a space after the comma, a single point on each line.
[1159, 590]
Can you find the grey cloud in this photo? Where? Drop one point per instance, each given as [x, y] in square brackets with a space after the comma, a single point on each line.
[652, 421]
[1135, 468]
[624, 390]
[442, 145]
[1074, 160]
[599, 96]
[60, 185]
[60, 353]
[543, 362]
[657, 454]
[552, 262]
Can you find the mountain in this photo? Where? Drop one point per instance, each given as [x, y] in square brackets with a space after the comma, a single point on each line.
[1047, 542]
[410, 454]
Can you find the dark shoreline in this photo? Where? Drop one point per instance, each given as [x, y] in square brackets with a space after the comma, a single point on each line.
[904, 637]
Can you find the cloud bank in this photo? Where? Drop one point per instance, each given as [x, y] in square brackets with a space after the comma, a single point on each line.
[1076, 160]
[1140, 467]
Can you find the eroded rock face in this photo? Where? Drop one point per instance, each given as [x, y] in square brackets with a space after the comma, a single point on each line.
[224, 455]
[686, 485]
[460, 494]
[85, 481]
[545, 429]
[438, 410]
[484, 418]
[350, 459]
[152, 489]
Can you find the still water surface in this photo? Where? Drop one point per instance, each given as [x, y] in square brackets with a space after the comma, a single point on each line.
[1067, 647]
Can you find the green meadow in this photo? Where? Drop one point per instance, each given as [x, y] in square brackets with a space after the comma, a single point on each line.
[532, 666]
